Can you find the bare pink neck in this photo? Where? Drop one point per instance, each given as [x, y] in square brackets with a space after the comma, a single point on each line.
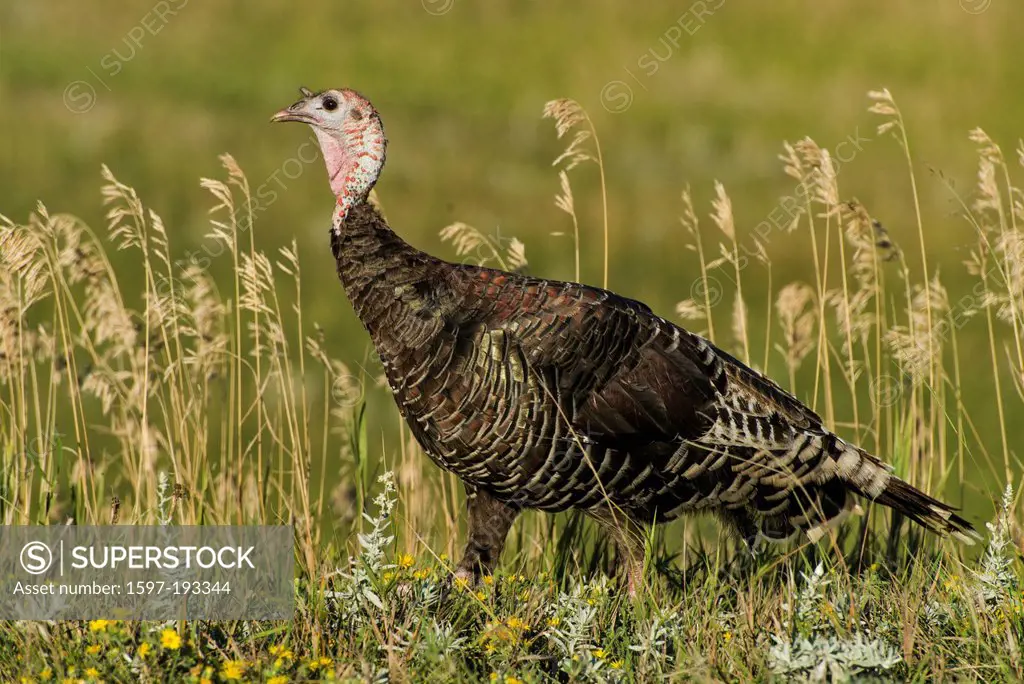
[354, 157]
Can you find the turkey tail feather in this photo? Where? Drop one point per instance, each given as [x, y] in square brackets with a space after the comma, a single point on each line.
[926, 511]
[874, 480]
[824, 496]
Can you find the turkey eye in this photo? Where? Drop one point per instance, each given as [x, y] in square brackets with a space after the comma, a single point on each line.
[330, 104]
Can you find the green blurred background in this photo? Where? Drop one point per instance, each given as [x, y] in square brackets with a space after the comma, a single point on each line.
[157, 91]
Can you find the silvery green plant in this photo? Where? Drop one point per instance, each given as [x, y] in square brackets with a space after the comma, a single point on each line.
[372, 544]
[571, 628]
[573, 617]
[441, 638]
[436, 642]
[806, 610]
[657, 636]
[996, 580]
[585, 666]
[816, 653]
[427, 594]
[164, 499]
[357, 594]
[936, 615]
[830, 658]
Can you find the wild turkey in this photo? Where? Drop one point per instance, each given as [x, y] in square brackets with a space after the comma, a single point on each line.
[556, 395]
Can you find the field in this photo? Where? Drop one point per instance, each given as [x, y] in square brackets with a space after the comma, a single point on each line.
[180, 350]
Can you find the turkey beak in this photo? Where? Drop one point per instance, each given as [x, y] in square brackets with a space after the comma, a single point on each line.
[294, 113]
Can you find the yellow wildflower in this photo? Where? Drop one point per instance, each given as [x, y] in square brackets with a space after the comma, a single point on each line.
[461, 582]
[443, 557]
[494, 676]
[98, 625]
[326, 662]
[313, 665]
[233, 669]
[727, 636]
[143, 650]
[279, 679]
[388, 576]
[170, 639]
[512, 680]
[615, 664]
[93, 650]
[422, 574]
[481, 596]
[205, 680]
[600, 653]
[46, 675]
[92, 673]
[516, 623]
[488, 579]
[276, 648]
[405, 560]
[553, 622]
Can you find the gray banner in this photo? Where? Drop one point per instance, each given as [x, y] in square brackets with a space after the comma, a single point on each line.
[125, 572]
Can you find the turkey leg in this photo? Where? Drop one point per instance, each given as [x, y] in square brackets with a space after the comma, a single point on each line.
[489, 523]
[630, 538]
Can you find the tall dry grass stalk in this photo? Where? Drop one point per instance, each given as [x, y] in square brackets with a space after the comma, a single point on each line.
[105, 389]
[585, 145]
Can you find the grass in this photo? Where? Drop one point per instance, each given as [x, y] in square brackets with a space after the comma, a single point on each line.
[802, 616]
[220, 403]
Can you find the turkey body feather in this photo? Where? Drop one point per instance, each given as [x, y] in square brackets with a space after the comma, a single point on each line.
[557, 395]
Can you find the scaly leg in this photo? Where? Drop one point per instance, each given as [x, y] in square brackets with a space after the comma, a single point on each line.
[629, 537]
[489, 523]
[743, 523]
